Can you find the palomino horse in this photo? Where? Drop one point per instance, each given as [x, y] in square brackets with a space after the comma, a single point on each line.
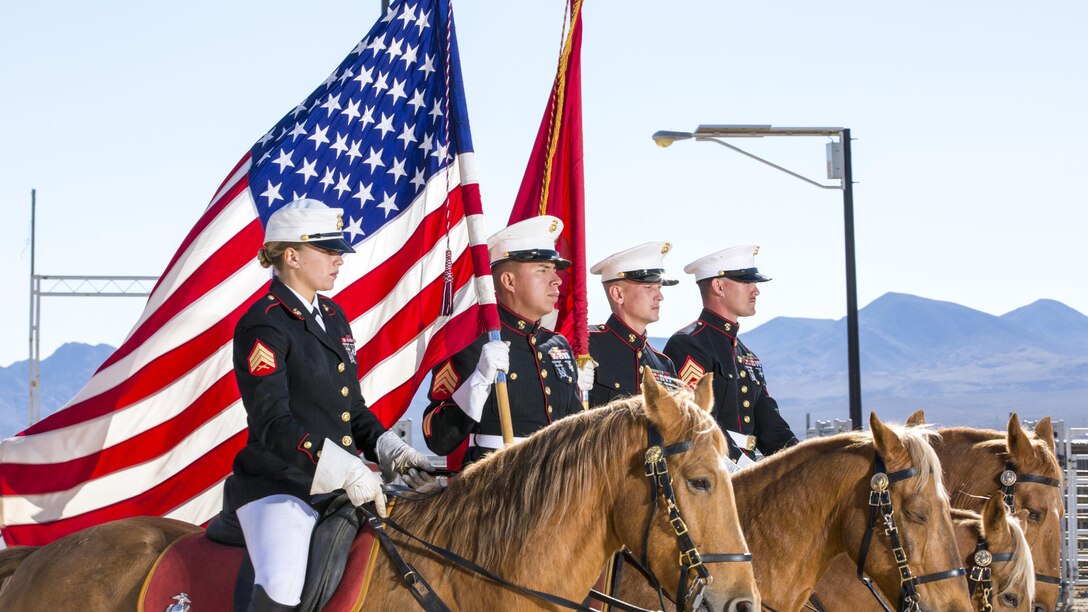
[975, 462]
[544, 514]
[1001, 578]
[803, 506]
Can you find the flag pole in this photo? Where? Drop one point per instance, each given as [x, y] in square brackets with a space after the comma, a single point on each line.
[506, 423]
[485, 287]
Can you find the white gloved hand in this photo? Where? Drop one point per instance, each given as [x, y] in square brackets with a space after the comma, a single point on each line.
[396, 458]
[339, 469]
[586, 375]
[472, 394]
[494, 356]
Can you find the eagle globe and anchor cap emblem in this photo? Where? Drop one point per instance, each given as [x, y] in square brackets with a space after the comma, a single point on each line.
[182, 604]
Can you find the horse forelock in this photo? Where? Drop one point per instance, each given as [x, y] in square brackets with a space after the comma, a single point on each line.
[919, 441]
[537, 490]
[1023, 570]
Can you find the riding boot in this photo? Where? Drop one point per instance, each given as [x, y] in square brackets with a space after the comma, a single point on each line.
[261, 602]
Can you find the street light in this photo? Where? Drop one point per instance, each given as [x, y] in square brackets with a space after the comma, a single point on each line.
[839, 166]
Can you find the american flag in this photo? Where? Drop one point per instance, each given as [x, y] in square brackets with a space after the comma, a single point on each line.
[386, 138]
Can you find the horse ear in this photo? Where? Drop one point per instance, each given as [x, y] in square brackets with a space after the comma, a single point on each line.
[1044, 430]
[887, 442]
[916, 419]
[1018, 443]
[993, 519]
[704, 392]
[656, 398]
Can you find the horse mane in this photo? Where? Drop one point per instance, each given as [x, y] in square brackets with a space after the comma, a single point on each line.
[919, 442]
[1023, 571]
[524, 492]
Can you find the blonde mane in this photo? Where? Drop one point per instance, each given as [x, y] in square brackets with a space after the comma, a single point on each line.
[919, 442]
[1023, 571]
[524, 493]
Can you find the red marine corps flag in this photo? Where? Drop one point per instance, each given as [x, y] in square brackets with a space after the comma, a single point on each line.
[385, 138]
[554, 185]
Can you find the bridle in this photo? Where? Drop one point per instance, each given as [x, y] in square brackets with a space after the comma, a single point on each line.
[880, 508]
[1008, 480]
[691, 560]
[981, 575]
[657, 470]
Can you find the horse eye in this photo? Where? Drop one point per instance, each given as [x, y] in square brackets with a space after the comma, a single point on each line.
[1010, 599]
[1034, 515]
[917, 517]
[699, 484]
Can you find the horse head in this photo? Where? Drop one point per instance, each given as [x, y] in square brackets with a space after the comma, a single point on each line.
[920, 522]
[702, 513]
[1037, 493]
[1000, 572]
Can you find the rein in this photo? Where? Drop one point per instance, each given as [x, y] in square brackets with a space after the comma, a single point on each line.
[880, 508]
[1008, 480]
[657, 470]
[981, 575]
[430, 601]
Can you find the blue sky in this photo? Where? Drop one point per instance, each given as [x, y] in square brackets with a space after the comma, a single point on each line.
[969, 120]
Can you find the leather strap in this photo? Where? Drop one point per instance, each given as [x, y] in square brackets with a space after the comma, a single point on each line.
[373, 519]
[417, 585]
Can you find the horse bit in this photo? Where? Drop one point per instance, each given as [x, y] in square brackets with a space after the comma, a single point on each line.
[657, 470]
[880, 508]
[1008, 480]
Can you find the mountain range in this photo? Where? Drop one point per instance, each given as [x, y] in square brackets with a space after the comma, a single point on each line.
[962, 366]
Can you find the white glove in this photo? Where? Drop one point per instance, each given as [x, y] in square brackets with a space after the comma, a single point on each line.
[396, 458]
[472, 394]
[586, 376]
[339, 469]
[494, 356]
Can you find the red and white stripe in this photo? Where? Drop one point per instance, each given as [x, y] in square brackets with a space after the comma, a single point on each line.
[156, 428]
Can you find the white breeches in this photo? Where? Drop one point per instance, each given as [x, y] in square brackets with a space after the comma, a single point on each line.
[277, 530]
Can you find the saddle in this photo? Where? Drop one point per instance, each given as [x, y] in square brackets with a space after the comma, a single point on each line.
[211, 570]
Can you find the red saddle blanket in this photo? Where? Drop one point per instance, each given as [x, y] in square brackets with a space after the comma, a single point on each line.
[200, 573]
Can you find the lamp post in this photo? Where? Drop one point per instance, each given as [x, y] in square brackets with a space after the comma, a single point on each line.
[839, 166]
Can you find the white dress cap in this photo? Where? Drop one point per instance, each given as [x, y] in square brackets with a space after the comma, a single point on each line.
[644, 263]
[531, 239]
[310, 221]
[737, 263]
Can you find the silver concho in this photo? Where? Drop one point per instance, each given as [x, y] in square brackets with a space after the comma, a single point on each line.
[1008, 478]
[879, 482]
[983, 558]
[182, 604]
[654, 454]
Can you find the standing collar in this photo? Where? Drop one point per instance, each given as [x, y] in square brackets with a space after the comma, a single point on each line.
[720, 323]
[312, 305]
[516, 322]
[288, 297]
[625, 333]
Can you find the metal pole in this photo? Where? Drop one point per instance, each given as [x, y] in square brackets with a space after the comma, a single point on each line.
[852, 350]
[32, 362]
